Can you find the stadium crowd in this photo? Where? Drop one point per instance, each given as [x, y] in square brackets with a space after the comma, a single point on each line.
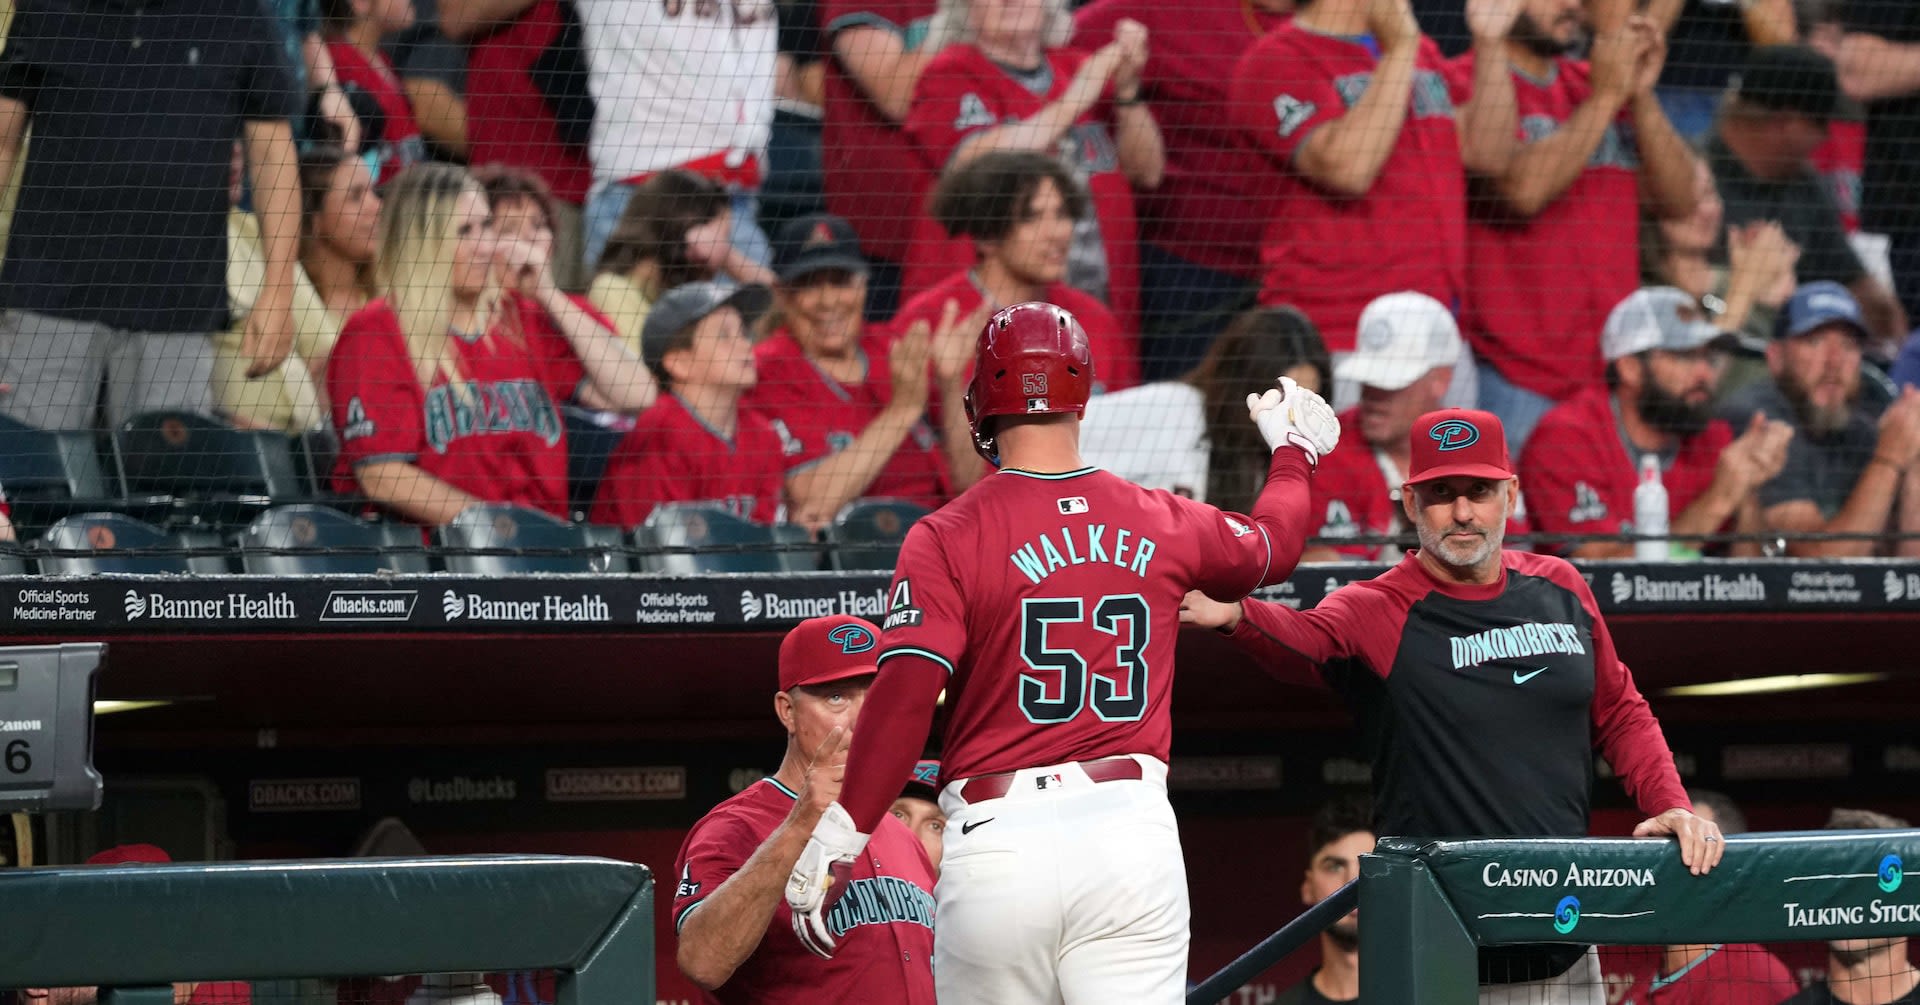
[758, 238]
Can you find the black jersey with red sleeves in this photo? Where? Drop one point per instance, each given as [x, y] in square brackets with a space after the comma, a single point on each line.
[1482, 705]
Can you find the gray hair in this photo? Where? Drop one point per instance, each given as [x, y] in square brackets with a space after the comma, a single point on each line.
[952, 24]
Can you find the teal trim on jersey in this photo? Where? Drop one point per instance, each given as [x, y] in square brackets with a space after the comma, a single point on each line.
[775, 782]
[914, 651]
[681, 918]
[1661, 982]
[1061, 477]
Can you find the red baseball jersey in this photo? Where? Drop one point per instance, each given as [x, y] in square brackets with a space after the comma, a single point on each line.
[873, 176]
[1116, 353]
[1331, 255]
[1584, 247]
[400, 144]
[1199, 212]
[824, 416]
[508, 119]
[962, 92]
[884, 922]
[1840, 162]
[672, 455]
[1580, 480]
[497, 436]
[1053, 600]
[1740, 974]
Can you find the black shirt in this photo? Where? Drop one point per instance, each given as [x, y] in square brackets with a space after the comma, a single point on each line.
[1890, 186]
[1819, 469]
[1802, 205]
[1304, 993]
[134, 107]
[1707, 45]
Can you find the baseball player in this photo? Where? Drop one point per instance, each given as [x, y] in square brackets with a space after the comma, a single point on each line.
[1487, 679]
[1045, 601]
[736, 941]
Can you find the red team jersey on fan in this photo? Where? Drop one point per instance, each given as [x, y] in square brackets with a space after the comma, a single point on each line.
[400, 144]
[884, 921]
[508, 119]
[498, 437]
[825, 416]
[1053, 601]
[1116, 355]
[1580, 481]
[873, 176]
[1330, 255]
[672, 455]
[1584, 247]
[962, 92]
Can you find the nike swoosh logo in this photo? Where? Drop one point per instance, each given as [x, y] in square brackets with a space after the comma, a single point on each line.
[1522, 678]
[967, 828]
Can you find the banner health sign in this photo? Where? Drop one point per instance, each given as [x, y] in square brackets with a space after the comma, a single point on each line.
[1767, 888]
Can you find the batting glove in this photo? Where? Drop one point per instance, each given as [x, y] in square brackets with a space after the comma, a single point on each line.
[820, 878]
[1291, 414]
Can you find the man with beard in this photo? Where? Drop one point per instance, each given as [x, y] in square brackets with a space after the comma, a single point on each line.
[1846, 469]
[1553, 243]
[1662, 358]
[1865, 971]
[1341, 832]
[1485, 681]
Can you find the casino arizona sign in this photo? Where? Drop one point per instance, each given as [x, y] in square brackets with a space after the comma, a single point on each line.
[1495, 875]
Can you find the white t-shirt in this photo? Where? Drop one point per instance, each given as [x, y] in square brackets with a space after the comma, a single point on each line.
[677, 80]
[1154, 435]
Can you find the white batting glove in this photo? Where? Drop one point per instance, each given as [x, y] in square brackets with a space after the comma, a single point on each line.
[821, 876]
[1291, 414]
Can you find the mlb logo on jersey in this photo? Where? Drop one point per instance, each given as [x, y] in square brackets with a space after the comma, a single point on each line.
[1073, 504]
[1041, 782]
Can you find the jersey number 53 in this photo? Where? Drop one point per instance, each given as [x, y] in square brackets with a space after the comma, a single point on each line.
[1063, 683]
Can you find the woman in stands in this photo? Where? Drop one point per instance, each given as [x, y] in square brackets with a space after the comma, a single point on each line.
[445, 391]
[1005, 79]
[339, 233]
[673, 232]
[1190, 435]
[353, 29]
[854, 399]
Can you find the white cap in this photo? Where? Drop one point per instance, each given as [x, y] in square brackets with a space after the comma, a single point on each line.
[1402, 336]
[1657, 317]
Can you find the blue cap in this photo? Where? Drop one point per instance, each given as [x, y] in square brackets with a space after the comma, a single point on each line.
[1816, 305]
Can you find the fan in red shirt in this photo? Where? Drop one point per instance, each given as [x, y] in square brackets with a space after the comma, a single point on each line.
[1350, 106]
[854, 398]
[388, 127]
[445, 393]
[1018, 209]
[1558, 244]
[1200, 248]
[698, 443]
[1583, 461]
[1005, 81]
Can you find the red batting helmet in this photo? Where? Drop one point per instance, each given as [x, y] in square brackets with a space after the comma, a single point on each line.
[1033, 359]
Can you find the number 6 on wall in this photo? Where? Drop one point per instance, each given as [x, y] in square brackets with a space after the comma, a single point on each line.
[1110, 700]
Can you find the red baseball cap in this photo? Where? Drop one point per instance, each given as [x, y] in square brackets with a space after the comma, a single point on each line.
[131, 854]
[1459, 443]
[819, 650]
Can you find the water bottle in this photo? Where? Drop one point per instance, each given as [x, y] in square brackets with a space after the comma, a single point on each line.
[1650, 513]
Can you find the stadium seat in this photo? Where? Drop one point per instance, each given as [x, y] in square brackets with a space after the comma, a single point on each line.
[589, 444]
[738, 545]
[105, 536]
[867, 532]
[49, 475]
[316, 450]
[591, 549]
[218, 474]
[352, 546]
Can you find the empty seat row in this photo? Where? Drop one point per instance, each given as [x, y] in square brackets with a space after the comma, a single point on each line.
[484, 540]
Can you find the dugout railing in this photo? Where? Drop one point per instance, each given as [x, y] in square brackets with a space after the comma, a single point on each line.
[135, 930]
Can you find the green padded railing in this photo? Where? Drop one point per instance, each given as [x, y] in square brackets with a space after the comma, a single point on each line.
[1425, 908]
[128, 926]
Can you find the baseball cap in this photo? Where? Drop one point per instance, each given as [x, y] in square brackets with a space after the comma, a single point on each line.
[819, 650]
[1401, 337]
[1817, 305]
[1657, 317]
[1789, 78]
[131, 854]
[1459, 443]
[816, 242]
[684, 305]
[924, 783]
